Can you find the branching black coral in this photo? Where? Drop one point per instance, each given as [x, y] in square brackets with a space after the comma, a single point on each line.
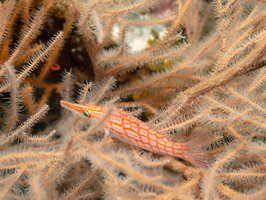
[187, 67]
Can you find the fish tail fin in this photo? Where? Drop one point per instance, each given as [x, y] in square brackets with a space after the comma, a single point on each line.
[196, 151]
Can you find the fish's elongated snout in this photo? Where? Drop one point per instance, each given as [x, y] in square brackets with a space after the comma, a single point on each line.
[72, 106]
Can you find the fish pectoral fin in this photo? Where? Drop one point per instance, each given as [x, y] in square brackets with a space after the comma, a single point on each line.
[106, 132]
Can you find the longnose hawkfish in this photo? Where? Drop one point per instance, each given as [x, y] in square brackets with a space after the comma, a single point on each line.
[123, 126]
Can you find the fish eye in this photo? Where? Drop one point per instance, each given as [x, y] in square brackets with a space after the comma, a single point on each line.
[86, 114]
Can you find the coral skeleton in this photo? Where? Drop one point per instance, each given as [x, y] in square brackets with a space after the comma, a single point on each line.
[193, 70]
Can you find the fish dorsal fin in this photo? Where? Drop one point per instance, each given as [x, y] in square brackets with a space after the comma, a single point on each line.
[161, 133]
[168, 136]
[136, 112]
